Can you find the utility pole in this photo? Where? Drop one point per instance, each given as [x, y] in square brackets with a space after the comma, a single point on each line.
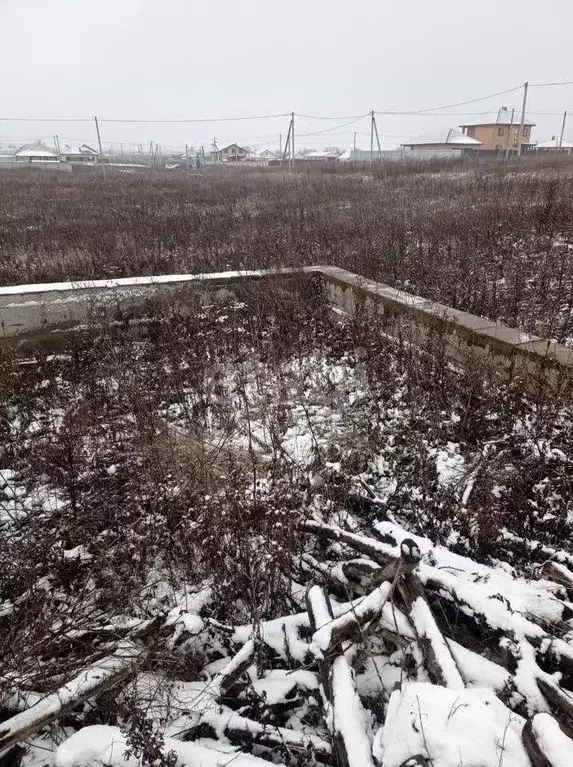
[99, 147]
[286, 153]
[509, 134]
[377, 139]
[57, 144]
[525, 89]
[280, 143]
[292, 139]
[371, 137]
[150, 153]
[562, 129]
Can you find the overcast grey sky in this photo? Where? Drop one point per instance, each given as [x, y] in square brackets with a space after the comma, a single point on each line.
[192, 58]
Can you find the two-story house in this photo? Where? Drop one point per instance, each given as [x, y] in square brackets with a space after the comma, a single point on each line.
[231, 153]
[502, 133]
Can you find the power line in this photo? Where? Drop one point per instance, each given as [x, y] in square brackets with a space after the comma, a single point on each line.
[450, 106]
[196, 119]
[323, 117]
[550, 85]
[145, 120]
[334, 127]
[428, 112]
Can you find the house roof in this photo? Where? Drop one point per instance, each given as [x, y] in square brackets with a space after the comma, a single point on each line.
[449, 136]
[232, 146]
[553, 143]
[37, 149]
[78, 149]
[503, 117]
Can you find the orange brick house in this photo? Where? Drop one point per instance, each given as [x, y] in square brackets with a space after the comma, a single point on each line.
[501, 133]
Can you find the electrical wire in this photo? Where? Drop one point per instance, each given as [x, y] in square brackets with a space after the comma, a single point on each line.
[451, 106]
[323, 117]
[145, 120]
[428, 112]
[48, 119]
[196, 119]
[334, 127]
[550, 85]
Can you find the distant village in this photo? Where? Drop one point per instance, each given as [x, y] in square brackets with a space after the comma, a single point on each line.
[502, 136]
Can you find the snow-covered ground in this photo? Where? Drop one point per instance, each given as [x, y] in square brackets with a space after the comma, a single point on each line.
[281, 538]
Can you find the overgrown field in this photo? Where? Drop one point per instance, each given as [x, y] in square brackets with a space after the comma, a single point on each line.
[172, 506]
[494, 240]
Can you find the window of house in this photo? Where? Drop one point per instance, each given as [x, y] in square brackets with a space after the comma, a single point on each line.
[525, 132]
[501, 131]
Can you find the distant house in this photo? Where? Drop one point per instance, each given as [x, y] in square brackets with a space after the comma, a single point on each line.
[317, 157]
[553, 145]
[37, 152]
[78, 153]
[444, 140]
[266, 154]
[231, 153]
[501, 133]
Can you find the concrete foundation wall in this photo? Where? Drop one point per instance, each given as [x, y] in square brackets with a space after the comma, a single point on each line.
[31, 312]
[466, 335]
[53, 307]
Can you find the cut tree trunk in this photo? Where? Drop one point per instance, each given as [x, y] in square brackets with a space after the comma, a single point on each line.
[90, 682]
[545, 743]
[351, 744]
[440, 664]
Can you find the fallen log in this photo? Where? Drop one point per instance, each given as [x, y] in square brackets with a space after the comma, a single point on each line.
[440, 664]
[378, 552]
[559, 702]
[236, 667]
[90, 682]
[536, 550]
[554, 571]
[351, 743]
[332, 633]
[240, 729]
[546, 744]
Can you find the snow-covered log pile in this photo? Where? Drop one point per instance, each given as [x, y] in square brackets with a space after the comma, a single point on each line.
[402, 653]
[286, 541]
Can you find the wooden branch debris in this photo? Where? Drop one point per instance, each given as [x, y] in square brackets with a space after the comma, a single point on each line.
[523, 635]
[377, 552]
[559, 702]
[546, 744]
[236, 667]
[440, 664]
[332, 633]
[90, 682]
[240, 729]
[351, 743]
[554, 571]
[538, 551]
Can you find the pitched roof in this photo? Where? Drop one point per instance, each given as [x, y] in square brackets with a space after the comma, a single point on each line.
[78, 149]
[232, 146]
[449, 136]
[503, 117]
[37, 149]
[553, 143]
